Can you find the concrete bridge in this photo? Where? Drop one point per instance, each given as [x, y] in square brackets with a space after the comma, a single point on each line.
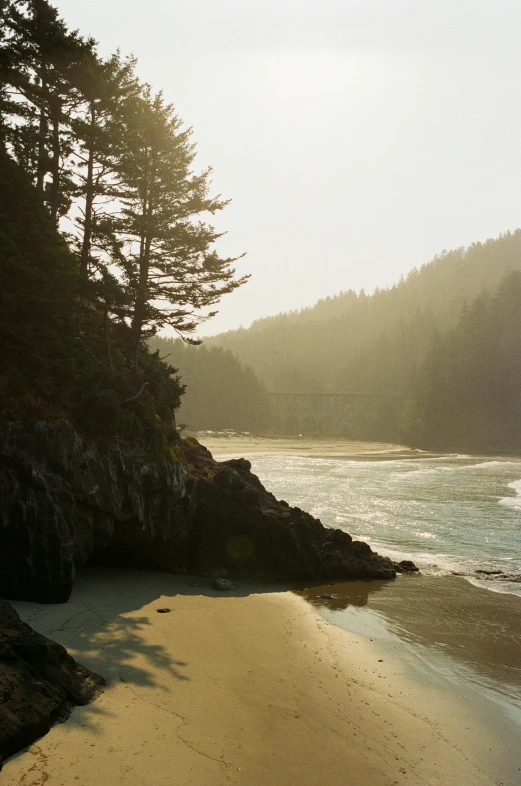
[322, 413]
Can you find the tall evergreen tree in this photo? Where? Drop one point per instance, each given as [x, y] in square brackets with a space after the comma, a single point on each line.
[170, 267]
[40, 62]
[100, 130]
[102, 151]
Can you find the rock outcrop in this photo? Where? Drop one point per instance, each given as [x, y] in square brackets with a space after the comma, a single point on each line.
[238, 526]
[39, 683]
[63, 503]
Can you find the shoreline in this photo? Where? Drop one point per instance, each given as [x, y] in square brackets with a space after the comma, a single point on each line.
[236, 445]
[223, 445]
[250, 687]
[449, 631]
[227, 446]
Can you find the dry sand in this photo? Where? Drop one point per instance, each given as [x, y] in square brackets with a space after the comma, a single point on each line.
[224, 445]
[250, 688]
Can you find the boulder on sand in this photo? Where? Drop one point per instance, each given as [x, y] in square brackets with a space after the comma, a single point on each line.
[39, 683]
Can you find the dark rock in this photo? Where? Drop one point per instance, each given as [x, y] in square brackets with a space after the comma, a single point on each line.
[39, 683]
[493, 575]
[406, 566]
[63, 503]
[224, 585]
[163, 611]
[490, 572]
[229, 479]
[251, 533]
[240, 464]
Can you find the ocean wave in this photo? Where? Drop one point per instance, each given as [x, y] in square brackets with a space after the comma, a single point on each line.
[512, 502]
[444, 520]
[426, 471]
[497, 463]
[501, 587]
[441, 564]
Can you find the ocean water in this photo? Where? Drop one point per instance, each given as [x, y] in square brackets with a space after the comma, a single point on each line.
[453, 514]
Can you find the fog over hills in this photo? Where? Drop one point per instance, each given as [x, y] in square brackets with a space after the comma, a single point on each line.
[358, 343]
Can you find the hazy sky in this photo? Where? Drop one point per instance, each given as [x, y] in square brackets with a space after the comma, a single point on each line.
[356, 138]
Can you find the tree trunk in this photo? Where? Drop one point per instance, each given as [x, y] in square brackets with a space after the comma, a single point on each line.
[55, 165]
[144, 264]
[106, 325]
[139, 308]
[42, 134]
[89, 200]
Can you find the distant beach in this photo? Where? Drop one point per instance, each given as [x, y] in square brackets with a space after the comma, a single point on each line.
[250, 687]
[231, 444]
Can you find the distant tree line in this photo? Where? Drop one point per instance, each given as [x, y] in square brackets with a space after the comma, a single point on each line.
[105, 168]
[394, 340]
[221, 392]
[467, 393]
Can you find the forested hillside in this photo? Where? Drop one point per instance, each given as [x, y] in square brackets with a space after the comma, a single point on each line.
[103, 230]
[467, 393]
[221, 392]
[446, 338]
[106, 240]
[372, 343]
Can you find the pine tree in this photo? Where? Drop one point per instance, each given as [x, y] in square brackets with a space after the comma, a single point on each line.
[170, 267]
[40, 62]
[99, 129]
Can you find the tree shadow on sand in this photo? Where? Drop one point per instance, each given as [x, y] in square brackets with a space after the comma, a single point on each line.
[100, 628]
[112, 626]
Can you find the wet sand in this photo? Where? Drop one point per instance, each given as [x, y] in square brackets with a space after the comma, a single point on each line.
[252, 687]
[224, 445]
[460, 638]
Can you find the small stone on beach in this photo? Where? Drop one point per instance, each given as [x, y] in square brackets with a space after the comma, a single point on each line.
[224, 585]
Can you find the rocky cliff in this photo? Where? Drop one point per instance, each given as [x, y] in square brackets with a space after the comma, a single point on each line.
[63, 503]
[39, 683]
[239, 526]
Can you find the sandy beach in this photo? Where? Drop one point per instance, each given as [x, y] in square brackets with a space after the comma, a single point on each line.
[251, 687]
[231, 445]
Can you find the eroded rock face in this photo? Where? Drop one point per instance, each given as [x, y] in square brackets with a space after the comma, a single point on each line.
[63, 504]
[39, 683]
[239, 526]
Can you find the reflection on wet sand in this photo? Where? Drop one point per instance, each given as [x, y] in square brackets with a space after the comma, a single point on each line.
[475, 627]
[338, 596]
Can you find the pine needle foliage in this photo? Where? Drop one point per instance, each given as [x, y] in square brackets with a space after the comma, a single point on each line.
[103, 229]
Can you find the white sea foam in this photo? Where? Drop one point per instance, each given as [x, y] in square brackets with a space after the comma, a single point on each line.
[513, 502]
[452, 468]
[495, 463]
[416, 473]
[426, 510]
[501, 587]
